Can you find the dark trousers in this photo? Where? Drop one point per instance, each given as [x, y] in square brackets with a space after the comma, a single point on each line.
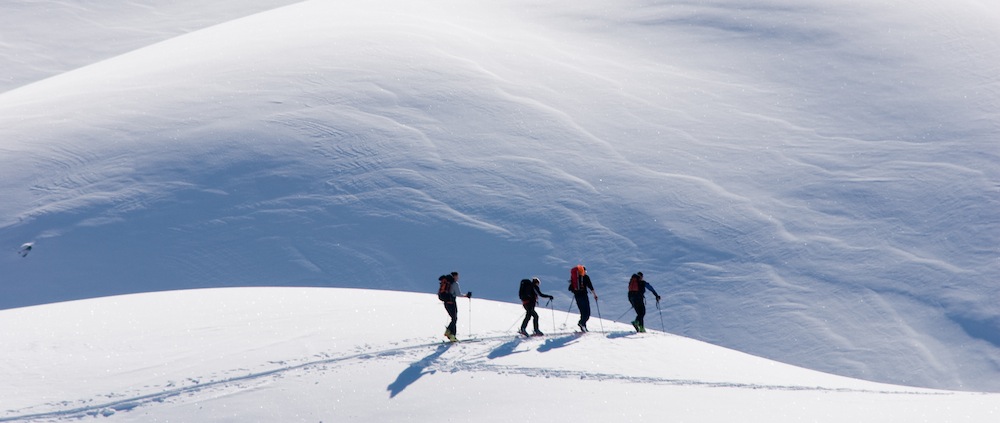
[452, 309]
[583, 303]
[639, 304]
[529, 308]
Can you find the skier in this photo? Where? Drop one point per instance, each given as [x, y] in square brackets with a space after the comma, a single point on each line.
[637, 296]
[579, 283]
[448, 292]
[529, 293]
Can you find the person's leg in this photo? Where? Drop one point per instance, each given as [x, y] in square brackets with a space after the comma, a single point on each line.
[453, 313]
[583, 303]
[640, 312]
[636, 306]
[534, 316]
[527, 316]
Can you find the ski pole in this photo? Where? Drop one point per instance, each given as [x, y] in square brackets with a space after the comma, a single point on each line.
[599, 318]
[519, 317]
[623, 314]
[470, 316]
[568, 310]
[549, 305]
[662, 327]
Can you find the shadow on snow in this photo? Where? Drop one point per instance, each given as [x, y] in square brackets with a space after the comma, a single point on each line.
[553, 343]
[415, 371]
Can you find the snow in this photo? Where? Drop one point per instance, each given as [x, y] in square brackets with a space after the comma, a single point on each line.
[335, 354]
[814, 182]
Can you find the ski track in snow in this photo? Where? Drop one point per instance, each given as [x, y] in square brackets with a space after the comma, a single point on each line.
[471, 355]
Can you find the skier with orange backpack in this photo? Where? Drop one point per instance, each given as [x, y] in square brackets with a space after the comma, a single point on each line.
[579, 283]
[448, 291]
[637, 287]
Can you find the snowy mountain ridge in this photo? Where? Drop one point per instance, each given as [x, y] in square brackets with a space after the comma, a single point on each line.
[813, 182]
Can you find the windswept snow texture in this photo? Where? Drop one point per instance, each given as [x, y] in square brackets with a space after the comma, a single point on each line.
[810, 181]
[311, 355]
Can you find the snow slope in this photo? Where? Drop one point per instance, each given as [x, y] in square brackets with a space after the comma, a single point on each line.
[320, 354]
[809, 181]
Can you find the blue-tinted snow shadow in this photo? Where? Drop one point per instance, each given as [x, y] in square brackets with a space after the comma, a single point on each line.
[986, 329]
[622, 334]
[553, 343]
[414, 372]
[507, 348]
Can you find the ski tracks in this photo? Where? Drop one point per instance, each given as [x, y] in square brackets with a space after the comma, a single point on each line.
[474, 355]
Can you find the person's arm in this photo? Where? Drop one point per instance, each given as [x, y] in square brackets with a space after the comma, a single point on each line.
[591, 286]
[538, 291]
[650, 288]
[457, 291]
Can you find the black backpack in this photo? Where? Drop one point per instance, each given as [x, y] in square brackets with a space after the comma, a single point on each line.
[527, 291]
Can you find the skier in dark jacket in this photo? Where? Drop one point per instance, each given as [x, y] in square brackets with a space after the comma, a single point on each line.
[579, 284]
[451, 290]
[530, 300]
[637, 287]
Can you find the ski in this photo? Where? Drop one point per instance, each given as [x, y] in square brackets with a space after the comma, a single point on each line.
[462, 340]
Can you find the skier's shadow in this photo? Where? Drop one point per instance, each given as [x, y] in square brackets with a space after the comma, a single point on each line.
[508, 348]
[615, 335]
[415, 371]
[553, 343]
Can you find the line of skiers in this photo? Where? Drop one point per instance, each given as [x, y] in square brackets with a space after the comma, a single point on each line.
[530, 292]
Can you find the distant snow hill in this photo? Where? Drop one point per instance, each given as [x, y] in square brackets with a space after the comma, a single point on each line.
[314, 354]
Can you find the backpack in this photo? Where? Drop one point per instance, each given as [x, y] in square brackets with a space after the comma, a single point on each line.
[527, 290]
[635, 284]
[444, 290]
[576, 278]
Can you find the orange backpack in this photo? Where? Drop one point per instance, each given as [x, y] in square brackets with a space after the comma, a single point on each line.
[444, 289]
[576, 278]
[634, 284]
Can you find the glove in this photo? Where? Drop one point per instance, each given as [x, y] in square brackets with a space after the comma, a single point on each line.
[550, 297]
[657, 298]
[468, 294]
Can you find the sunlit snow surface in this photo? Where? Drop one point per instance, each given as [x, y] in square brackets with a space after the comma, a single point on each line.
[322, 354]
